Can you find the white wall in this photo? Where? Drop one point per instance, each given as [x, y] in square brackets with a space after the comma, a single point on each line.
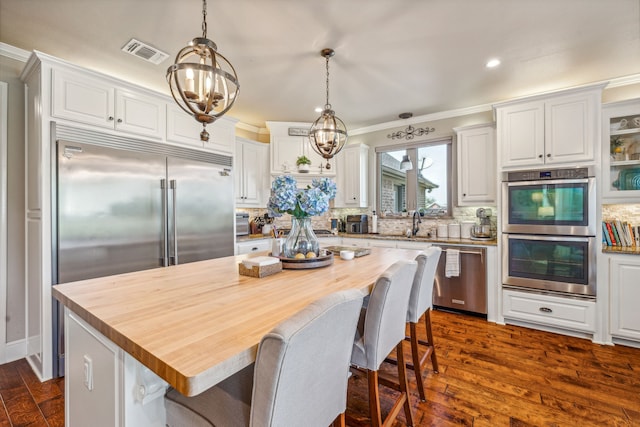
[10, 68]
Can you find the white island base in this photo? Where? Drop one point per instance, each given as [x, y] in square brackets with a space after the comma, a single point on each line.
[104, 385]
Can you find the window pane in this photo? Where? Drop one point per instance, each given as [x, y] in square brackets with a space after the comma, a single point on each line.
[393, 182]
[432, 174]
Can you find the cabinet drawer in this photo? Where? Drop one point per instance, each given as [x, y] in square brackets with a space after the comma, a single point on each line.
[567, 313]
[253, 246]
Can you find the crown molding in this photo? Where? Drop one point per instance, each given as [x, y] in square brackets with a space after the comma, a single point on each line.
[14, 52]
[624, 81]
[424, 118]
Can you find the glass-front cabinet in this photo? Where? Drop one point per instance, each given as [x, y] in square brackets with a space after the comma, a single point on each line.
[621, 155]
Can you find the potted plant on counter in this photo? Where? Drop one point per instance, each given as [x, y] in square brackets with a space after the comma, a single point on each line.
[303, 163]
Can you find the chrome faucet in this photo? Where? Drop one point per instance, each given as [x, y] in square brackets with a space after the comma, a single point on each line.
[416, 226]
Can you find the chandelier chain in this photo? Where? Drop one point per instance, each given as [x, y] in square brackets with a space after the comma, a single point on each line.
[204, 19]
[327, 105]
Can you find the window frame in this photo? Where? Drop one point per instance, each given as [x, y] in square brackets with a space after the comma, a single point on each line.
[411, 194]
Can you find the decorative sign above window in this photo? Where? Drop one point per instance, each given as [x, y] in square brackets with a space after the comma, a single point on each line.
[298, 132]
[409, 133]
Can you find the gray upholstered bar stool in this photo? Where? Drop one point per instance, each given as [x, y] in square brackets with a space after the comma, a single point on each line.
[381, 329]
[300, 376]
[420, 303]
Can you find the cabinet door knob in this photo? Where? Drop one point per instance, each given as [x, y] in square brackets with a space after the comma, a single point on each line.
[548, 155]
[539, 156]
[546, 310]
[119, 120]
[110, 118]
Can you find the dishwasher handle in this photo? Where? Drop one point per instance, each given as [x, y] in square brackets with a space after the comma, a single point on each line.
[479, 252]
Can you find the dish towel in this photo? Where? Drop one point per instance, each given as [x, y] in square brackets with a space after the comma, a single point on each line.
[452, 266]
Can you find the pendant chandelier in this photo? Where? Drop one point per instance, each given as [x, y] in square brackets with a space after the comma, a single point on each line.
[203, 82]
[328, 134]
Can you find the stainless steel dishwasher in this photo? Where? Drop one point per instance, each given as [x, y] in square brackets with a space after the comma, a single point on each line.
[467, 291]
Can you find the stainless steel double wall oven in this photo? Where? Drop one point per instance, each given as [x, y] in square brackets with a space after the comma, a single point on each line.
[549, 229]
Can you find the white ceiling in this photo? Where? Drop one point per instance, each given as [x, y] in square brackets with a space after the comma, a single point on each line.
[392, 56]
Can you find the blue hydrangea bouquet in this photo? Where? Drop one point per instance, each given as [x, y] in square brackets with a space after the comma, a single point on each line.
[301, 204]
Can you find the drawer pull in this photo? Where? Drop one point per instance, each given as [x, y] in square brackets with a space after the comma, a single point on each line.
[546, 310]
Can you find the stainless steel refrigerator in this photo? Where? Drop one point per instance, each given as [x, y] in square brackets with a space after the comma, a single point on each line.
[126, 205]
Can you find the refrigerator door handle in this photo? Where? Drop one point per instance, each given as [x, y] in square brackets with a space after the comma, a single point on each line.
[173, 255]
[164, 260]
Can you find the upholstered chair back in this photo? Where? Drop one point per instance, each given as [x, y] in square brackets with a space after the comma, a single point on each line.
[384, 322]
[421, 297]
[302, 366]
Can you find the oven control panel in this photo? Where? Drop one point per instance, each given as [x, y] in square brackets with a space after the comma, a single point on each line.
[537, 175]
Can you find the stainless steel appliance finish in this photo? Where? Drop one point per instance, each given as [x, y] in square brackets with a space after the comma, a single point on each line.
[120, 210]
[242, 224]
[468, 291]
[549, 228]
[357, 224]
[561, 264]
[556, 201]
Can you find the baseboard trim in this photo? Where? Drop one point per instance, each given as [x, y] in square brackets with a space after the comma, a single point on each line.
[15, 350]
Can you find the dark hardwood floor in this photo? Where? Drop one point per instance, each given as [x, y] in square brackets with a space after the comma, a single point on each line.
[28, 402]
[490, 375]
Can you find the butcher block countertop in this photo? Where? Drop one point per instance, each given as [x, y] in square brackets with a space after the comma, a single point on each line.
[196, 324]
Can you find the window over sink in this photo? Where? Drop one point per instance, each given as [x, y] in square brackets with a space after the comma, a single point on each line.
[426, 187]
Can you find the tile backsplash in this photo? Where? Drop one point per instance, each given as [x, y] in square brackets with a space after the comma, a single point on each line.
[624, 212]
[386, 225]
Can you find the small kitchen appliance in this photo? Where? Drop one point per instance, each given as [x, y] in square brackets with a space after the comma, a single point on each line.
[482, 231]
[357, 224]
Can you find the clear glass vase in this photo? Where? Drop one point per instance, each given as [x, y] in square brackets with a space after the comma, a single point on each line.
[301, 239]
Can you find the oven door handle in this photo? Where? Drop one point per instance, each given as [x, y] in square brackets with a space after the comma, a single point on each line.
[549, 181]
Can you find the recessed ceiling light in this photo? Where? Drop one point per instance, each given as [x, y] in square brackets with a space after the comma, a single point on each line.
[492, 63]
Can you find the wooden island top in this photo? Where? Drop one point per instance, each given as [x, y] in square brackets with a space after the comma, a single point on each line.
[196, 324]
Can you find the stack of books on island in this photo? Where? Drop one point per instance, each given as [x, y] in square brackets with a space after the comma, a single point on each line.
[620, 233]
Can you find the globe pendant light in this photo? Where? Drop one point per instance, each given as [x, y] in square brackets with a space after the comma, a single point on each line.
[328, 134]
[203, 82]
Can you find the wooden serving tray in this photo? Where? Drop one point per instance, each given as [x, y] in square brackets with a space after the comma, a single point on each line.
[300, 264]
[358, 252]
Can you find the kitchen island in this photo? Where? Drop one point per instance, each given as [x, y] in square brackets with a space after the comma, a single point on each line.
[192, 325]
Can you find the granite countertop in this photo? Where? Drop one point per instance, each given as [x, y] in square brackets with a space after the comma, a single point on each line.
[492, 242]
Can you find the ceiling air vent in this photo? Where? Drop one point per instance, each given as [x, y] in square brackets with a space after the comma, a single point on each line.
[145, 51]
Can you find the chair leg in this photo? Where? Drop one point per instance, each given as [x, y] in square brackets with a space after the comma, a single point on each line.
[415, 355]
[340, 421]
[427, 323]
[404, 385]
[374, 398]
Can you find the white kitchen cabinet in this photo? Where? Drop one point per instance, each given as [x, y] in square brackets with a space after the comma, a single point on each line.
[621, 152]
[571, 314]
[476, 153]
[251, 177]
[98, 102]
[285, 150]
[558, 128]
[60, 93]
[624, 271]
[352, 177]
[183, 129]
[254, 245]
